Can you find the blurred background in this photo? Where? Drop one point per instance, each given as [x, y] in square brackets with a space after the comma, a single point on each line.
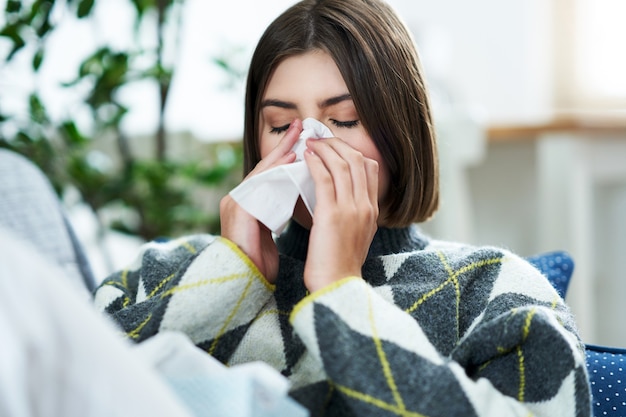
[134, 109]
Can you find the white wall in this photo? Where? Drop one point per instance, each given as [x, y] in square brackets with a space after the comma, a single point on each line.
[492, 54]
[496, 57]
[505, 207]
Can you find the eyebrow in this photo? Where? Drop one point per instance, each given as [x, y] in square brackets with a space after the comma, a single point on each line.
[335, 100]
[292, 106]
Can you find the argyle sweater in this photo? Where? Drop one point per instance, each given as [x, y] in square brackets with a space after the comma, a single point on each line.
[431, 329]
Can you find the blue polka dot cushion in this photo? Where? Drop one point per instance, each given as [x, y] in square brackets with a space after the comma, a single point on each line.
[607, 374]
[557, 267]
[606, 366]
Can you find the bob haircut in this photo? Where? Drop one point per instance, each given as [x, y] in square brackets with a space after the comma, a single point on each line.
[377, 59]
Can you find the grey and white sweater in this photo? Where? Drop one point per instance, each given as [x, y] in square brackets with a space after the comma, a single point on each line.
[432, 329]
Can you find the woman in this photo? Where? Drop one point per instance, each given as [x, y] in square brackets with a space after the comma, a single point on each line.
[363, 314]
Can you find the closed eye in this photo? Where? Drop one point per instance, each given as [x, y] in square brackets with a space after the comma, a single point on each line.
[279, 129]
[347, 124]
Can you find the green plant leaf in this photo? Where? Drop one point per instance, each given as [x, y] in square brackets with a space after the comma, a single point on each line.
[84, 8]
[114, 68]
[13, 6]
[72, 135]
[92, 65]
[162, 198]
[40, 17]
[12, 32]
[141, 6]
[37, 110]
[38, 59]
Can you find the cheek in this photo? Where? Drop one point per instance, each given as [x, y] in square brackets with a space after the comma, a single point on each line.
[369, 150]
[383, 176]
[265, 146]
[383, 179]
[267, 141]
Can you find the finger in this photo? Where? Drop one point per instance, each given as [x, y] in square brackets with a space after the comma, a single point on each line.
[338, 167]
[324, 185]
[359, 180]
[282, 151]
[358, 169]
[289, 138]
[371, 170]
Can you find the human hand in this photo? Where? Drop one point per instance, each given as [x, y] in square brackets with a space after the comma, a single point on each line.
[346, 211]
[250, 235]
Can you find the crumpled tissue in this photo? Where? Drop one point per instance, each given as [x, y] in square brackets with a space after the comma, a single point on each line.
[272, 195]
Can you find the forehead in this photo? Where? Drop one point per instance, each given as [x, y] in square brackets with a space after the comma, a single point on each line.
[311, 75]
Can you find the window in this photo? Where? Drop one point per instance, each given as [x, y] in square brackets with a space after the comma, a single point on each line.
[590, 53]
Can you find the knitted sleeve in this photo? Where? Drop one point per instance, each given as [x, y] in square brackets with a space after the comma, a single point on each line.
[203, 286]
[471, 334]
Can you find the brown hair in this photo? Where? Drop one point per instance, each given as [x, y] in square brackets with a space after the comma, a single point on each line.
[376, 56]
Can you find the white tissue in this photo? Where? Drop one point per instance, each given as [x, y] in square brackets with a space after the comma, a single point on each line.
[272, 195]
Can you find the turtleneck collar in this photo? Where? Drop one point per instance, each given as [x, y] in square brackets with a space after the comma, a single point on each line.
[294, 241]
